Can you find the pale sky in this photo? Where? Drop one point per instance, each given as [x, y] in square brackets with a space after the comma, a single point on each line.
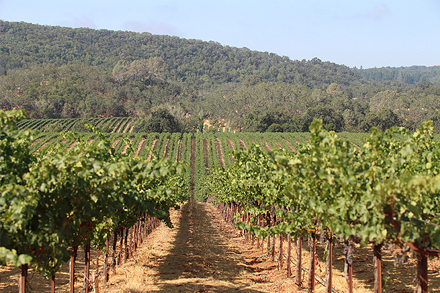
[366, 33]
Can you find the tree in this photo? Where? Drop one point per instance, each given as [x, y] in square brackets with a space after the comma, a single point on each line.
[161, 121]
[275, 127]
[295, 124]
[139, 70]
[383, 119]
[331, 119]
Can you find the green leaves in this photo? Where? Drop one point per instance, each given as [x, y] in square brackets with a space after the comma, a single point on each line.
[66, 199]
[388, 190]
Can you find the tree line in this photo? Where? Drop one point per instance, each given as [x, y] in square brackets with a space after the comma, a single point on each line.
[58, 72]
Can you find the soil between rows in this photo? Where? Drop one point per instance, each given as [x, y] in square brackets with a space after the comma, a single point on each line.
[198, 255]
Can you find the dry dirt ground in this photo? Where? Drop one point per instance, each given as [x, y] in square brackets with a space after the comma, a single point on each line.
[202, 253]
[198, 255]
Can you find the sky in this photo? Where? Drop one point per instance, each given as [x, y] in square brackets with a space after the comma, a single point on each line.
[365, 33]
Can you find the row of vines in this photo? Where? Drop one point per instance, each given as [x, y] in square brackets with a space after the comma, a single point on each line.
[107, 125]
[380, 190]
[62, 193]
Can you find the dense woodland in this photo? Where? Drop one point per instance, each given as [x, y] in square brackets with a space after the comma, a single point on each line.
[58, 72]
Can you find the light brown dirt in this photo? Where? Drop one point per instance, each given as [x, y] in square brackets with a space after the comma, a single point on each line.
[218, 146]
[115, 142]
[289, 145]
[179, 151]
[46, 143]
[140, 147]
[153, 147]
[126, 127]
[204, 254]
[167, 149]
[242, 143]
[124, 150]
[266, 145]
[199, 254]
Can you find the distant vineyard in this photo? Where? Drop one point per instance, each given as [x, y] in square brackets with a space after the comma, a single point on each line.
[211, 149]
[107, 125]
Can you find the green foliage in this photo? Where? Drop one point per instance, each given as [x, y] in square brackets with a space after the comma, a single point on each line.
[161, 121]
[386, 191]
[66, 199]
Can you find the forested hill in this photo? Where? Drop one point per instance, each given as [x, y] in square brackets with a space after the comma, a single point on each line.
[192, 62]
[59, 72]
[410, 75]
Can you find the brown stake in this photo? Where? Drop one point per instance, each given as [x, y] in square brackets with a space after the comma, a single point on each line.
[289, 248]
[272, 250]
[52, 284]
[259, 224]
[348, 268]
[97, 261]
[329, 264]
[377, 259]
[312, 264]
[72, 269]
[87, 266]
[121, 242]
[107, 247]
[127, 231]
[268, 225]
[280, 255]
[22, 282]
[422, 273]
[299, 264]
[115, 240]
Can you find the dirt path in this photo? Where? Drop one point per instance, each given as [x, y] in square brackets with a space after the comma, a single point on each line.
[197, 255]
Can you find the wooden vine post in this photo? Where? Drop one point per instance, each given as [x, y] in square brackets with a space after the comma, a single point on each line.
[299, 264]
[127, 231]
[311, 281]
[106, 275]
[329, 264]
[377, 254]
[348, 267]
[72, 269]
[22, 282]
[422, 273]
[289, 248]
[52, 284]
[280, 255]
[87, 266]
[115, 239]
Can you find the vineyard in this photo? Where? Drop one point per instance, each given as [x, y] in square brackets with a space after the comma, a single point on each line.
[108, 125]
[348, 190]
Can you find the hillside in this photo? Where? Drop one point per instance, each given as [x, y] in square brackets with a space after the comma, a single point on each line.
[193, 62]
[410, 75]
[59, 72]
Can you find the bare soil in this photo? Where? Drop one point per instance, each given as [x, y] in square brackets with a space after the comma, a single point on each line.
[124, 150]
[289, 145]
[140, 147]
[167, 149]
[266, 145]
[153, 147]
[218, 146]
[179, 151]
[242, 143]
[202, 253]
[206, 155]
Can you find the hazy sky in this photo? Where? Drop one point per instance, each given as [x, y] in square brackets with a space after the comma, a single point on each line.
[358, 33]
